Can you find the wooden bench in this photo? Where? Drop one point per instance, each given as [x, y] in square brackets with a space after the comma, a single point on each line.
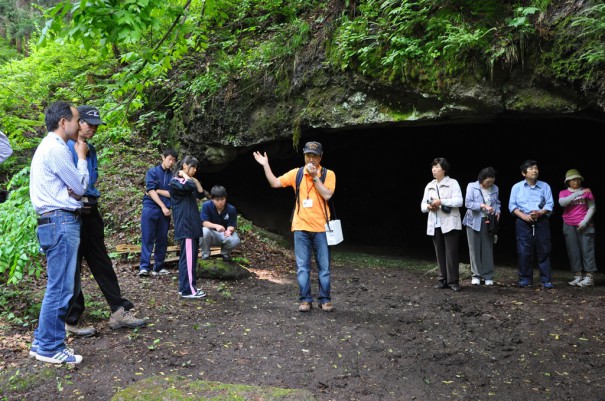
[126, 249]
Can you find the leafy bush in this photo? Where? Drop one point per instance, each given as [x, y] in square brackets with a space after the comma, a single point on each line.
[19, 247]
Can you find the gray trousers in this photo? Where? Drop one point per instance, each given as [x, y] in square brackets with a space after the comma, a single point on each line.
[580, 248]
[481, 252]
[214, 238]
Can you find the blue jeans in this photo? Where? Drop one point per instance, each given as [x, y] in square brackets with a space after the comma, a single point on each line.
[59, 239]
[305, 244]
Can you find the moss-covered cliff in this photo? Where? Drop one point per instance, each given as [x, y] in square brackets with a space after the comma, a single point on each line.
[331, 66]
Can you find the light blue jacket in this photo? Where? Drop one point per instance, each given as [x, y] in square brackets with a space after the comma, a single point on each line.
[474, 199]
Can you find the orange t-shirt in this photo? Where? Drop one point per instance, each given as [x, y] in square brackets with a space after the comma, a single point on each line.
[309, 218]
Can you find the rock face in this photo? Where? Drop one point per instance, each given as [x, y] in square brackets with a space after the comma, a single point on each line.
[321, 98]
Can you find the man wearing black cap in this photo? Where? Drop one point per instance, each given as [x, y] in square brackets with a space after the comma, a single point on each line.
[308, 222]
[92, 243]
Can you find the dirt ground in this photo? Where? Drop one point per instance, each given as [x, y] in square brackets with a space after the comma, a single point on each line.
[392, 337]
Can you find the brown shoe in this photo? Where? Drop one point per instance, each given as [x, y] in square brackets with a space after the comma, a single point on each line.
[326, 307]
[80, 331]
[304, 307]
[124, 318]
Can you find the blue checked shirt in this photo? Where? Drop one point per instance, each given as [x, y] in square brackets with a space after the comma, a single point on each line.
[52, 172]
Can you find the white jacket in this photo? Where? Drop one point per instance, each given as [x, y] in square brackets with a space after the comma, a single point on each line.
[450, 195]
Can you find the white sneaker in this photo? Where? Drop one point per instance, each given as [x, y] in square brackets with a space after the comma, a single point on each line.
[587, 281]
[476, 281]
[66, 355]
[198, 294]
[162, 272]
[576, 280]
[489, 282]
[197, 290]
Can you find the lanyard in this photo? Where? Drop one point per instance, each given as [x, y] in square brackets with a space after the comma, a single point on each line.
[310, 188]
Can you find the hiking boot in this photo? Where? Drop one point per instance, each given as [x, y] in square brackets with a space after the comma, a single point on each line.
[80, 331]
[326, 307]
[476, 281]
[548, 285]
[162, 272]
[304, 307]
[124, 318]
[587, 281]
[576, 280]
[63, 356]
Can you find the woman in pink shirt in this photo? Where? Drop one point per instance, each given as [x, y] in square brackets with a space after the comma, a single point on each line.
[578, 228]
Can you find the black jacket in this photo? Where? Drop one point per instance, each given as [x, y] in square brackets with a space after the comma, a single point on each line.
[185, 211]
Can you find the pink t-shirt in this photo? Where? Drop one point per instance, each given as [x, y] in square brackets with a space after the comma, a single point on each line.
[574, 213]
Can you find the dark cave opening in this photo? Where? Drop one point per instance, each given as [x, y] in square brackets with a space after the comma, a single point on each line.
[381, 174]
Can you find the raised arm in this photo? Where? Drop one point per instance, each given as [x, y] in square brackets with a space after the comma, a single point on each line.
[263, 160]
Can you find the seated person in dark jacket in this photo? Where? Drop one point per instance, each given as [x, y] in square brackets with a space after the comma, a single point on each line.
[219, 221]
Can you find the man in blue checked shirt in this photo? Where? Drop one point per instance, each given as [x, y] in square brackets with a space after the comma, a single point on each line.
[55, 187]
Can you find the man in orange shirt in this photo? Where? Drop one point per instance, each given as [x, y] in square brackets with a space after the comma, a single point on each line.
[308, 222]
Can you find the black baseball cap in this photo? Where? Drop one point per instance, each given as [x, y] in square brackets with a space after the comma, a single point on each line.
[90, 115]
[313, 147]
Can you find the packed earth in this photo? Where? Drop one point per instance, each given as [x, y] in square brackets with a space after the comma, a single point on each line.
[392, 336]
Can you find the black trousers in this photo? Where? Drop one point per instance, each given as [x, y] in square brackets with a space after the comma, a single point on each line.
[446, 249]
[92, 248]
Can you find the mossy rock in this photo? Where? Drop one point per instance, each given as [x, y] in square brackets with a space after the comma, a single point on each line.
[186, 389]
[221, 270]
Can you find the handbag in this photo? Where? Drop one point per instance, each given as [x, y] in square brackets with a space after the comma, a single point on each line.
[444, 209]
[492, 224]
[334, 232]
[333, 227]
[491, 220]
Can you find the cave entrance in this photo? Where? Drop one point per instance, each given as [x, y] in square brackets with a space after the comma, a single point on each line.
[381, 173]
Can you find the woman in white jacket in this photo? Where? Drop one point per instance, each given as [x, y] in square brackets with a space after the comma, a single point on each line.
[441, 200]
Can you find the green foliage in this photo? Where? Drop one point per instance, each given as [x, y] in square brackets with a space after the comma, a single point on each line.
[7, 52]
[421, 40]
[19, 248]
[578, 52]
[23, 300]
[432, 42]
[20, 19]
[591, 23]
[97, 309]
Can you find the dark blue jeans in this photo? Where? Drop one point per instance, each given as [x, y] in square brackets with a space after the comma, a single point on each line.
[154, 233]
[533, 245]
